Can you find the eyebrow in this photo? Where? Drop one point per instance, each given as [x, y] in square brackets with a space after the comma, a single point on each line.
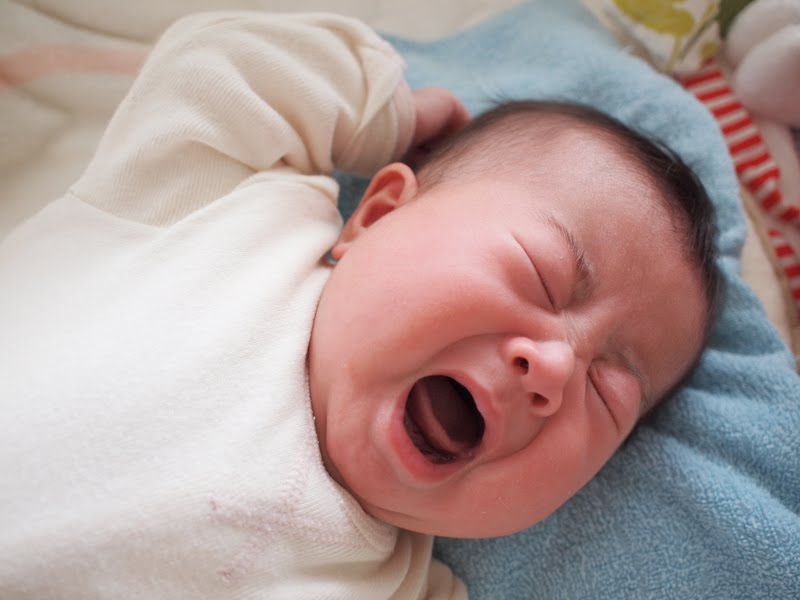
[584, 279]
[583, 290]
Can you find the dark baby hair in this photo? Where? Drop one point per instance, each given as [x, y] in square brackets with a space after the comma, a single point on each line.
[494, 134]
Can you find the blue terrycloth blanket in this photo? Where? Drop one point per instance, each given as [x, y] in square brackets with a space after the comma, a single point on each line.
[704, 500]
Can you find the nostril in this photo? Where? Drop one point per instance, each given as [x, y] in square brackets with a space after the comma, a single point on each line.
[538, 400]
[522, 363]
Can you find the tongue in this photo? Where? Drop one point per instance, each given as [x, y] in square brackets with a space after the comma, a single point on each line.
[447, 419]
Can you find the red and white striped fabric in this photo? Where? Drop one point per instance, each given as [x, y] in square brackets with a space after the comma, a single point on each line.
[757, 170]
[788, 261]
[755, 167]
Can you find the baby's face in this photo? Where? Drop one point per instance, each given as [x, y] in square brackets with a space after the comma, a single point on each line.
[480, 352]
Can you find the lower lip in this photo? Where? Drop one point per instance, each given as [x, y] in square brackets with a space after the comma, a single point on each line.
[410, 459]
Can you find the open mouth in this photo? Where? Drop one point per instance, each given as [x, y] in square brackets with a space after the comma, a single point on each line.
[442, 420]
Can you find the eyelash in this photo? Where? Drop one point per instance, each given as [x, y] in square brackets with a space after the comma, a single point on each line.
[591, 378]
[546, 288]
[547, 292]
[596, 389]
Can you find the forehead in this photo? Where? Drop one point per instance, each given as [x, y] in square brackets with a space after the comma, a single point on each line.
[561, 150]
[587, 170]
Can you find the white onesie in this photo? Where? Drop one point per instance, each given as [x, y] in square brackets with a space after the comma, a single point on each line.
[157, 438]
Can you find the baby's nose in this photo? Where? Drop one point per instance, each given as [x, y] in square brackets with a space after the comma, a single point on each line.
[543, 369]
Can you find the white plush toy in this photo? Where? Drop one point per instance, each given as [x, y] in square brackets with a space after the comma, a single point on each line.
[763, 47]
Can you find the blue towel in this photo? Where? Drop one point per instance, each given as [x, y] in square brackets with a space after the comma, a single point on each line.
[703, 501]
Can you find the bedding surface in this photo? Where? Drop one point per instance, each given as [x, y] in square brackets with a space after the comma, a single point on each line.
[703, 501]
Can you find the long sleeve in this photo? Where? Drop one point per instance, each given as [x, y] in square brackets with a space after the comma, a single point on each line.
[158, 439]
[225, 96]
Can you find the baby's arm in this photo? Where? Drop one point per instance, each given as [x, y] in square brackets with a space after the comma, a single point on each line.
[226, 95]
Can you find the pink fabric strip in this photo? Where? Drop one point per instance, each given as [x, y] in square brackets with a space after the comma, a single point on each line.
[41, 61]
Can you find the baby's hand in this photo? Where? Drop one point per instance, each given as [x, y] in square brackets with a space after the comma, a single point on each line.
[439, 114]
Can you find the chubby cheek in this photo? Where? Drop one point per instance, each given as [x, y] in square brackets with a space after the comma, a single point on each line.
[529, 486]
[414, 305]
[509, 500]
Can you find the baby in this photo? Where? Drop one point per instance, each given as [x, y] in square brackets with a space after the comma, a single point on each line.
[199, 405]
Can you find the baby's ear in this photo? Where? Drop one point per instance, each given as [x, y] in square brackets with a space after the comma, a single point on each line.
[392, 186]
